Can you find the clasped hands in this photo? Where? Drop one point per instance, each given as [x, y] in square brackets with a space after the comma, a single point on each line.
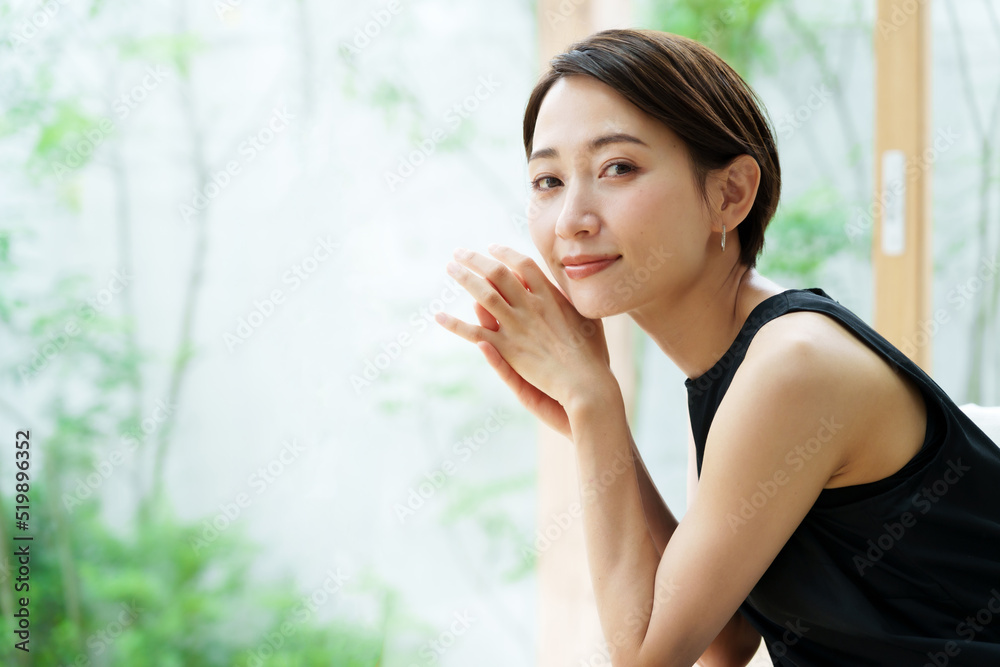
[531, 335]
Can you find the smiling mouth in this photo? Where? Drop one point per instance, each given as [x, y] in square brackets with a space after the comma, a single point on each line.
[584, 269]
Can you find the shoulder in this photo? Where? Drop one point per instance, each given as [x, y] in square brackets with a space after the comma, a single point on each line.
[802, 372]
[808, 348]
[806, 372]
[778, 433]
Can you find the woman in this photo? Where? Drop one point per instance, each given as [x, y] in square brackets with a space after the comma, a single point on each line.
[841, 505]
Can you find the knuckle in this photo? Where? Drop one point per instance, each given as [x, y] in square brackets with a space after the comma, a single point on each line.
[525, 264]
[480, 334]
[497, 272]
[492, 300]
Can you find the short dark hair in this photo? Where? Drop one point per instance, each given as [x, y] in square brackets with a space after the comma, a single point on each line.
[685, 85]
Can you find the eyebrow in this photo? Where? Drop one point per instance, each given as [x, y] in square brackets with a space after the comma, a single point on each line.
[617, 138]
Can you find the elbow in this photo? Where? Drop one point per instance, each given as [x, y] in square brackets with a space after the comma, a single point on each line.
[733, 657]
[680, 656]
[735, 646]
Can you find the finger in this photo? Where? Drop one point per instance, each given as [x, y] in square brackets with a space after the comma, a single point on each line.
[525, 268]
[469, 332]
[525, 392]
[504, 370]
[485, 319]
[530, 396]
[485, 294]
[498, 274]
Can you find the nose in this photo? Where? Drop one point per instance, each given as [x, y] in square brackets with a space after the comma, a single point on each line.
[578, 216]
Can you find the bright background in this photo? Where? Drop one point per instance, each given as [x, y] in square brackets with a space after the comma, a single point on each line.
[219, 475]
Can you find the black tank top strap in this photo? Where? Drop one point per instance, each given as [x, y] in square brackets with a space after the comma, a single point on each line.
[937, 423]
[705, 392]
[886, 573]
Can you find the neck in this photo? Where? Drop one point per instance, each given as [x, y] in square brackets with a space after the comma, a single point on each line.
[696, 327]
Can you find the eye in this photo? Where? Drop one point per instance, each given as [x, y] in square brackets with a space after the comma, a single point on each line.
[544, 183]
[626, 168]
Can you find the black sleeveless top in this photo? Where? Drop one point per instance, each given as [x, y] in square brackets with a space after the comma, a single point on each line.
[897, 572]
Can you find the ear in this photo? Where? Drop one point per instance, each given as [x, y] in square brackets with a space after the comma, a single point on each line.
[736, 185]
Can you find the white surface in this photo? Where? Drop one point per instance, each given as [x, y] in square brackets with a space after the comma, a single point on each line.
[986, 418]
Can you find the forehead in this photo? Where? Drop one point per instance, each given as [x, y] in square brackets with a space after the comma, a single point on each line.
[579, 107]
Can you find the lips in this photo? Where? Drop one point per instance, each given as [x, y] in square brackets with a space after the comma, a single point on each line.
[581, 266]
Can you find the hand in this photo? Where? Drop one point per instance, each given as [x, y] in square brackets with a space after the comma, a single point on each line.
[529, 332]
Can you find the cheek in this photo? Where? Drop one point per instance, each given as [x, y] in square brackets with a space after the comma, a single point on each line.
[664, 245]
[646, 216]
[542, 233]
[657, 215]
[541, 229]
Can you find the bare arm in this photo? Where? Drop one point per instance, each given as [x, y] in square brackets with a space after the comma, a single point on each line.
[670, 608]
[659, 519]
[738, 641]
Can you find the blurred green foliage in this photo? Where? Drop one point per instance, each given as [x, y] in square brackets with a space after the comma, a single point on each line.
[803, 235]
[116, 579]
[166, 602]
[156, 590]
[808, 230]
[731, 28]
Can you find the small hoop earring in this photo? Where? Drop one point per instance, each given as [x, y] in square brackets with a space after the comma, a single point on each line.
[723, 238]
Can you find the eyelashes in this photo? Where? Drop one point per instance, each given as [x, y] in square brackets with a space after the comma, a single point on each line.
[537, 184]
[621, 164]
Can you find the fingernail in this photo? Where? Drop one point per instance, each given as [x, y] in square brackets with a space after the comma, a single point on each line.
[462, 253]
[453, 268]
[494, 247]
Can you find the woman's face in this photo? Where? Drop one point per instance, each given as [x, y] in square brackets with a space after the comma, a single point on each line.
[615, 210]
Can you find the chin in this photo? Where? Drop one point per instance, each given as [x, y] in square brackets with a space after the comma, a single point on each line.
[596, 305]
